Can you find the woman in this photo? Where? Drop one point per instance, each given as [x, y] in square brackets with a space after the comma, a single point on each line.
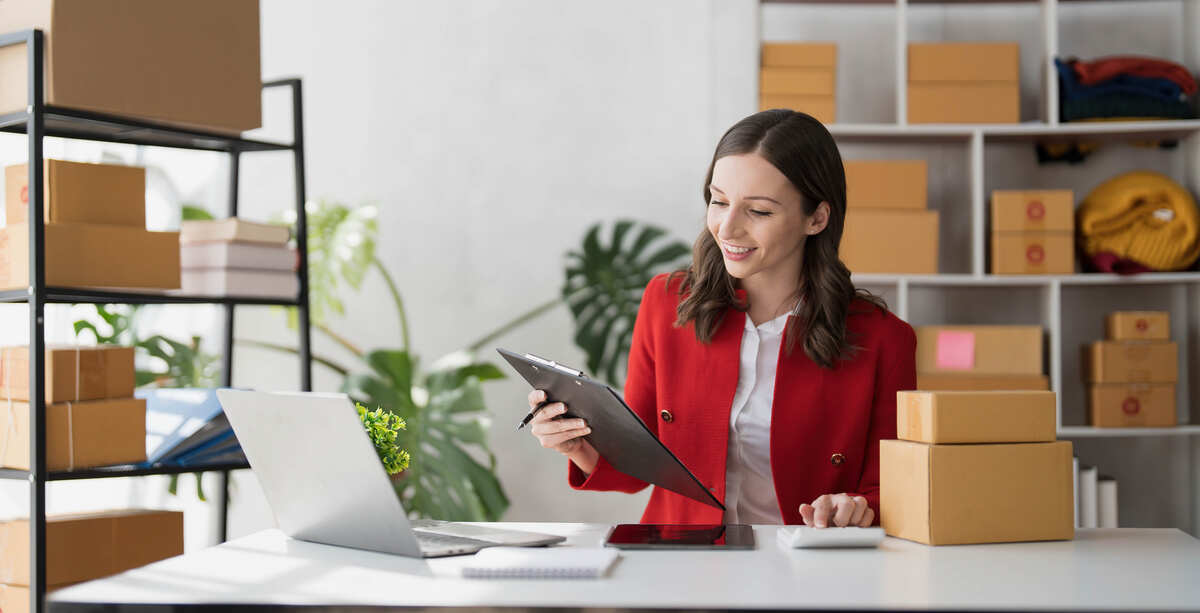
[761, 366]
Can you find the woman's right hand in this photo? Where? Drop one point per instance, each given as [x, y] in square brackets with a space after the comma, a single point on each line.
[564, 435]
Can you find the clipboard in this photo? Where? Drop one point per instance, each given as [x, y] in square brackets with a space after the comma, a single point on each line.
[618, 433]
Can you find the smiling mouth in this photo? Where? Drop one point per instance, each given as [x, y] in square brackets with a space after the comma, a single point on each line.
[736, 251]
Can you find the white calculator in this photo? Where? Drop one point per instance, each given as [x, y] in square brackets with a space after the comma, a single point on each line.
[804, 537]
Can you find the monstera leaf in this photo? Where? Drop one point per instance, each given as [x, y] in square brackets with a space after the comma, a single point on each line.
[446, 431]
[604, 286]
[341, 248]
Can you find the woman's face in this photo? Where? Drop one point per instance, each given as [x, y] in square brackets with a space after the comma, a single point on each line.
[757, 217]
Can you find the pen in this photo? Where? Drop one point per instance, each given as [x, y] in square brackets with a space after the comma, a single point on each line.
[533, 412]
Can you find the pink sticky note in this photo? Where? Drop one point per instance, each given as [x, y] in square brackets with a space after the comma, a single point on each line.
[955, 350]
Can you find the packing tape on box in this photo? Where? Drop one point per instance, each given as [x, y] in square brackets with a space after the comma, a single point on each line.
[12, 413]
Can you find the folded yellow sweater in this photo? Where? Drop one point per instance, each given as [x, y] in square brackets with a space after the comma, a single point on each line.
[1142, 216]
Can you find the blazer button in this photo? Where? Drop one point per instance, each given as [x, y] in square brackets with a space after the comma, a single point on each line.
[837, 459]
[666, 416]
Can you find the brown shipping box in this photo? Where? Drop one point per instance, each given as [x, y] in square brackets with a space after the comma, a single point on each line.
[1130, 362]
[1033, 211]
[962, 494]
[80, 434]
[1131, 405]
[963, 83]
[800, 55]
[796, 81]
[1138, 326]
[1033, 253]
[93, 255]
[891, 184]
[71, 373]
[890, 241]
[186, 63]
[80, 193]
[975, 417]
[84, 546]
[822, 108]
[960, 382]
[988, 350]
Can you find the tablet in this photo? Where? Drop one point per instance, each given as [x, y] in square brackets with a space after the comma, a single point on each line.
[681, 536]
[618, 433]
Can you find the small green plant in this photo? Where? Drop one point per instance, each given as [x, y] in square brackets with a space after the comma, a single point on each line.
[384, 428]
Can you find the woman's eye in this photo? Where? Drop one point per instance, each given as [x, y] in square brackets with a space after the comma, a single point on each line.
[717, 203]
[761, 213]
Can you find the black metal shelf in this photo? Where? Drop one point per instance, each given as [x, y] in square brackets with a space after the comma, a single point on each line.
[109, 472]
[71, 295]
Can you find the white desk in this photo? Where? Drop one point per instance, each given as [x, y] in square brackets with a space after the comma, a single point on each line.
[1102, 569]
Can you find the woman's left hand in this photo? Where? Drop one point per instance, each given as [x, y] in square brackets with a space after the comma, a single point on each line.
[842, 509]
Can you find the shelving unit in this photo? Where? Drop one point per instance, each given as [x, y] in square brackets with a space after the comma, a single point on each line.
[968, 161]
[40, 120]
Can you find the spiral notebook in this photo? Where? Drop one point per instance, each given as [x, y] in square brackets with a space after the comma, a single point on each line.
[549, 563]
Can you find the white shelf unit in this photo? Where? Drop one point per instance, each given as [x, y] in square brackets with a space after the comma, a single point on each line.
[1159, 468]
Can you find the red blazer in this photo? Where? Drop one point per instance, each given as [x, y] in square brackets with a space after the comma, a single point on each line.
[825, 424]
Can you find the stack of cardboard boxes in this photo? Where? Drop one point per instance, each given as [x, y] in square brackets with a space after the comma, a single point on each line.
[980, 358]
[801, 77]
[1131, 376]
[235, 257]
[888, 229]
[1033, 232]
[964, 83]
[95, 232]
[976, 467]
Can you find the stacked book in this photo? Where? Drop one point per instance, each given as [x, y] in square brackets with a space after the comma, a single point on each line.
[235, 257]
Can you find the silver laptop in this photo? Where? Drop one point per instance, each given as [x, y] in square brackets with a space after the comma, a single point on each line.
[325, 483]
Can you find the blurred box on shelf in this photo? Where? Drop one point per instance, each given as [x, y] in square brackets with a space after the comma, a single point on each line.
[801, 77]
[1131, 405]
[890, 241]
[71, 373]
[85, 546]
[251, 256]
[963, 82]
[1033, 210]
[1130, 362]
[243, 283]
[193, 64]
[942, 417]
[985, 350]
[80, 193]
[963, 494]
[93, 255]
[1138, 326]
[891, 184]
[968, 382]
[79, 435]
[822, 108]
[796, 81]
[800, 55]
[232, 229]
[1033, 253]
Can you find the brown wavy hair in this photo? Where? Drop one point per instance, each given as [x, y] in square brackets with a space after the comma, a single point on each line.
[804, 151]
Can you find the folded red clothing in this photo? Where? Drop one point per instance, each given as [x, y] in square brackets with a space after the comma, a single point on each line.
[1105, 68]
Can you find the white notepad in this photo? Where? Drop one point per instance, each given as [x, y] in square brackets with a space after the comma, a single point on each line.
[541, 563]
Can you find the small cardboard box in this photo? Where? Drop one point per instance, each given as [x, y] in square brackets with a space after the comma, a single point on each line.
[193, 64]
[985, 350]
[797, 81]
[968, 382]
[960, 62]
[800, 55]
[93, 255]
[1138, 326]
[944, 417]
[1033, 210]
[962, 494]
[1033, 253]
[72, 373]
[822, 108]
[890, 184]
[890, 241]
[85, 546]
[80, 193]
[1131, 405]
[79, 434]
[964, 83]
[1130, 362]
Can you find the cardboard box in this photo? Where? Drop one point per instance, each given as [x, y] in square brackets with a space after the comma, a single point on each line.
[1130, 362]
[961, 494]
[93, 255]
[797, 81]
[1033, 253]
[975, 417]
[890, 184]
[79, 434]
[80, 193]
[71, 373]
[1138, 326]
[1131, 405]
[890, 241]
[968, 382]
[964, 102]
[964, 62]
[822, 108]
[186, 63]
[800, 55]
[85, 546]
[980, 350]
[1033, 211]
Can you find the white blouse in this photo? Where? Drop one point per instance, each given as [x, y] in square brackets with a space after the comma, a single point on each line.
[749, 488]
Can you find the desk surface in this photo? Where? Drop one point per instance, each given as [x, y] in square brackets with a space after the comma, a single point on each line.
[1136, 569]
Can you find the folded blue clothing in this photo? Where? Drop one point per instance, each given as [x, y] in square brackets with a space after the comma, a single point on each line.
[1160, 89]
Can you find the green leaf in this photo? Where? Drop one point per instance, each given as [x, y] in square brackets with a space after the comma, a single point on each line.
[192, 212]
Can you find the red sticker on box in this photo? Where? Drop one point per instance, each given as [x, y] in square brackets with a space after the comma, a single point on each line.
[955, 350]
[25, 194]
[1131, 406]
[1142, 325]
[1035, 210]
[1035, 254]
